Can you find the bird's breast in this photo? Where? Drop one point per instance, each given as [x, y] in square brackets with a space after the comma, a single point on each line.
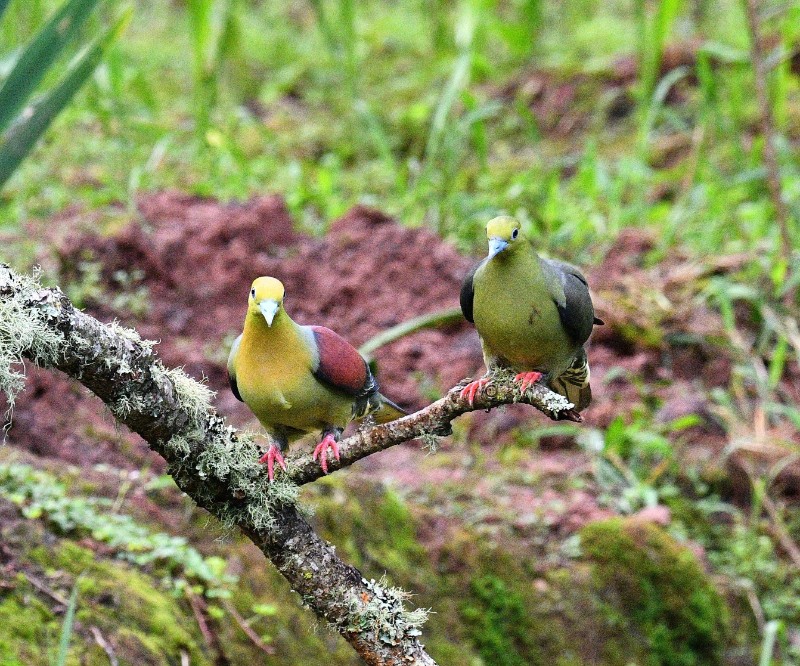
[276, 382]
[519, 321]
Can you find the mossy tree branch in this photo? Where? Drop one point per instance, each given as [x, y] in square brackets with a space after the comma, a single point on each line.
[217, 467]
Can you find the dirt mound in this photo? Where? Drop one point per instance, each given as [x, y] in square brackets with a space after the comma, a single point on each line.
[59, 419]
[195, 259]
[558, 104]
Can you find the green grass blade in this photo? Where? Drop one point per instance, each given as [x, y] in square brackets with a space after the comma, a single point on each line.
[211, 26]
[325, 27]
[653, 37]
[39, 55]
[66, 628]
[771, 630]
[22, 136]
[208, 21]
[430, 320]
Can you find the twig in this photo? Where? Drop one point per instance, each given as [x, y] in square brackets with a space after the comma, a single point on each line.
[199, 608]
[434, 419]
[44, 589]
[208, 460]
[768, 127]
[755, 606]
[247, 629]
[105, 645]
[781, 533]
[430, 320]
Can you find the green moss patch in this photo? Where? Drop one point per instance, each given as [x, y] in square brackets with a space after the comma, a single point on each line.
[635, 595]
[654, 591]
[113, 596]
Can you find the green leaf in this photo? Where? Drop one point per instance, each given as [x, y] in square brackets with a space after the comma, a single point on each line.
[265, 609]
[39, 55]
[22, 136]
[778, 362]
[3, 5]
[66, 628]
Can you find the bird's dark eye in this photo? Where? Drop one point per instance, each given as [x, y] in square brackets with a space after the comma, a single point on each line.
[514, 234]
[253, 293]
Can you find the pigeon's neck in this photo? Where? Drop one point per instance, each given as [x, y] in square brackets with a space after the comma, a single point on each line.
[282, 331]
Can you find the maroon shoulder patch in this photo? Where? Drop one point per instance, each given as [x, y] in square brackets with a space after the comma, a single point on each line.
[340, 365]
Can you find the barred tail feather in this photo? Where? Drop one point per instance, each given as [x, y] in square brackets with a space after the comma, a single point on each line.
[573, 383]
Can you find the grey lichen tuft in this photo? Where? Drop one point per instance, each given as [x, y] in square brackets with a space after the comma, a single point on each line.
[430, 442]
[233, 458]
[130, 334]
[383, 614]
[556, 403]
[193, 396]
[24, 331]
[126, 405]
[180, 444]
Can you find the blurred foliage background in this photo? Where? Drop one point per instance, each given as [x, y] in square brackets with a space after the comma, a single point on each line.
[676, 120]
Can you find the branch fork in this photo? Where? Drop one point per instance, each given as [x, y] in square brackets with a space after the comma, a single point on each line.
[218, 467]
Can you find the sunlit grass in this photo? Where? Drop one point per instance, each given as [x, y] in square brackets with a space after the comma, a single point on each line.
[428, 110]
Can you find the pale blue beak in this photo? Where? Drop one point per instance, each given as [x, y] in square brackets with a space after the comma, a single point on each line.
[269, 308]
[496, 246]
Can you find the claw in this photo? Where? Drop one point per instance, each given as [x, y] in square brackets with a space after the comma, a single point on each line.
[273, 454]
[322, 451]
[527, 379]
[469, 392]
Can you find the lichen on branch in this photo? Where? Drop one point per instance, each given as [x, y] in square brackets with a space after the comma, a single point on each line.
[211, 462]
[218, 467]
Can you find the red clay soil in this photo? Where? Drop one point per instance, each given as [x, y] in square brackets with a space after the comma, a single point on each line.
[197, 258]
[555, 99]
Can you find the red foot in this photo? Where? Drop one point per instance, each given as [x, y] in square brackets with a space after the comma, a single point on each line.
[527, 379]
[322, 451]
[273, 454]
[471, 390]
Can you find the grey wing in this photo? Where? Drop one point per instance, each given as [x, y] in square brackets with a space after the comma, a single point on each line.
[570, 293]
[468, 293]
[232, 368]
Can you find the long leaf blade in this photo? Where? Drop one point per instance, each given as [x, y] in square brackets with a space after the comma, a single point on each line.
[66, 627]
[39, 55]
[22, 136]
[3, 6]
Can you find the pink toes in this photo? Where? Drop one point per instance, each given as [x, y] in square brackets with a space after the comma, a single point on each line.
[272, 455]
[527, 379]
[321, 452]
[469, 392]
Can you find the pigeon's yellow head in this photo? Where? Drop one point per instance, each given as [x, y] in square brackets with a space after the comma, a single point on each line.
[503, 234]
[266, 298]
